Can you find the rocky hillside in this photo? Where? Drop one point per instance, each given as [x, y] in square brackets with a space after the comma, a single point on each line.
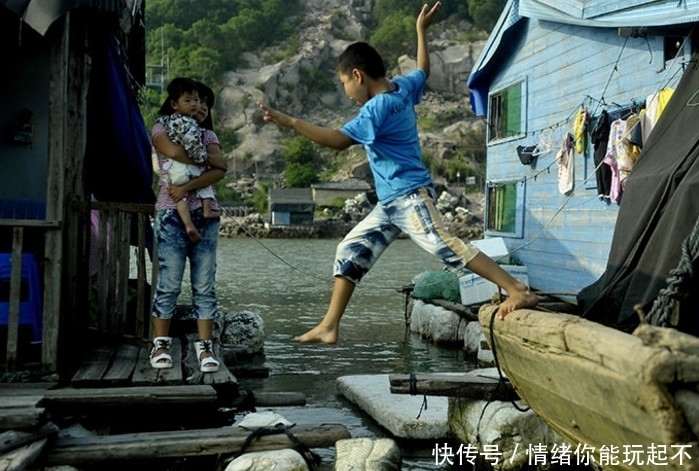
[303, 82]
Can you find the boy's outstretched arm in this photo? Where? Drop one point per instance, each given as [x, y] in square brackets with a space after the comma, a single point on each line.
[328, 137]
[424, 20]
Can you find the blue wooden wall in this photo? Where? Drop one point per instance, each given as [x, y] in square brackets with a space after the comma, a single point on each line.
[565, 239]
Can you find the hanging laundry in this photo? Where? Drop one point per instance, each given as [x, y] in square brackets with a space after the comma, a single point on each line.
[627, 152]
[582, 118]
[566, 165]
[616, 136]
[600, 140]
[655, 105]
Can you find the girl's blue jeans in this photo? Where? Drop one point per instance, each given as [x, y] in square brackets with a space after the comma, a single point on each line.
[173, 250]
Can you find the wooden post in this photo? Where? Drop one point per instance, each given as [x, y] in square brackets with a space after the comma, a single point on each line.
[15, 293]
[142, 317]
[55, 195]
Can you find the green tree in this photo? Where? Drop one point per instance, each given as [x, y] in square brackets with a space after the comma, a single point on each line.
[300, 175]
[395, 36]
[259, 197]
[302, 162]
[485, 13]
[204, 38]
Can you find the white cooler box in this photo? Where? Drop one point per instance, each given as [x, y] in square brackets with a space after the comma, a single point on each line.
[476, 289]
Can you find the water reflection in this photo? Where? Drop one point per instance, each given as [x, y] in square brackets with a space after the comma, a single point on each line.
[288, 283]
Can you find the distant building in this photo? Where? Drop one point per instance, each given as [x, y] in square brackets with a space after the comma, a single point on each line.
[290, 206]
[324, 193]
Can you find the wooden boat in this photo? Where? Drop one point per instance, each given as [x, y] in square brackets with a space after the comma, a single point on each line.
[604, 388]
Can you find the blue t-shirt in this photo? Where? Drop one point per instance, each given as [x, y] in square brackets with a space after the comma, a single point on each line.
[387, 128]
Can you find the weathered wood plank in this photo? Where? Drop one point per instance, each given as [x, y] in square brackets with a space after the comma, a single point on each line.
[23, 389]
[55, 192]
[93, 367]
[73, 451]
[439, 384]
[20, 401]
[145, 375]
[15, 284]
[12, 439]
[20, 418]
[129, 396]
[23, 457]
[222, 377]
[124, 365]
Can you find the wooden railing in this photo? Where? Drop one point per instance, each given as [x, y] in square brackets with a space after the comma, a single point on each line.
[104, 282]
[119, 287]
[18, 228]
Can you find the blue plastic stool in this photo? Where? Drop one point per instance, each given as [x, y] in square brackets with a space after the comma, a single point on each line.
[30, 312]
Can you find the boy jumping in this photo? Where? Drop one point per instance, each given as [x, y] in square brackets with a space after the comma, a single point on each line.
[386, 126]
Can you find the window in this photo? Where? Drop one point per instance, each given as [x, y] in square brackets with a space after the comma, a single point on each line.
[671, 47]
[506, 117]
[504, 208]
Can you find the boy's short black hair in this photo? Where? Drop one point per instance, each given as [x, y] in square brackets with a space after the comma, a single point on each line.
[362, 56]
[175, 89]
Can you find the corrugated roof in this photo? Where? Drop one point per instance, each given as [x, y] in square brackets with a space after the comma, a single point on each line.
[614, 14]
[290, 195]
[41, 14]
[588, 13]
[350, 184]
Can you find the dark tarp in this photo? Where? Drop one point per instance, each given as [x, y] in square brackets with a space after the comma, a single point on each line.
[40, 14]
[118, 154]
[658, 211]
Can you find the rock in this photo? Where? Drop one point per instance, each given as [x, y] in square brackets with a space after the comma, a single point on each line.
[279, 460]
[436, 323]
[500, 426]
[75, 430]
[472, 337]
[244, 329]
[283, 460]
[305, 85]
[367, 455]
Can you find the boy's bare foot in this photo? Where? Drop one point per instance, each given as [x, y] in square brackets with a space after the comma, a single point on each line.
[517, 300]
[193, 234]
[319, 334]
[211, 213]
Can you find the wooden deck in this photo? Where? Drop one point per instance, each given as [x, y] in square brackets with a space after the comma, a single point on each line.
[134, 423]
[129, 365]
[134, 412]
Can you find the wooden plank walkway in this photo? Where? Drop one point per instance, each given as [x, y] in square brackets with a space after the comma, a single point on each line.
[129, 365]
[165, 444]
[28, 437]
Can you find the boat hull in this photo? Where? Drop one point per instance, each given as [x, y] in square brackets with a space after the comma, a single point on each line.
[600, 387]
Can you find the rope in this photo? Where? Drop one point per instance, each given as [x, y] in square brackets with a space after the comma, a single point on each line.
[311, 459]
[413, 392]
[679, 283]
[501, 377]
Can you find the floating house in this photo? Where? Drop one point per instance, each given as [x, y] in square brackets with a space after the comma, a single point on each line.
[76, 176]
[291, 206]
[326, 193]
[549, 76]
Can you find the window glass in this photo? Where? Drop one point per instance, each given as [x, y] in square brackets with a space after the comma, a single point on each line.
[506, 112]
[504, 208]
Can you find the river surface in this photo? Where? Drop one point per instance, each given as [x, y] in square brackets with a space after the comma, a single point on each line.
[288, 283]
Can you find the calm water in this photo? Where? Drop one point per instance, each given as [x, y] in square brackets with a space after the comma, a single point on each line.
[288, 283]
